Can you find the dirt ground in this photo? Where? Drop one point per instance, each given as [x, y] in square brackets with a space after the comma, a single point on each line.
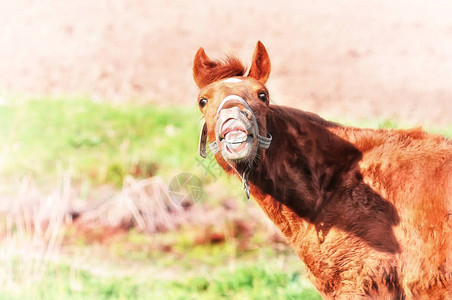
[343, 59]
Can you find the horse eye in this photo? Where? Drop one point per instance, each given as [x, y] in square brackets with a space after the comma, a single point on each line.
[262, 97]
[202, 102]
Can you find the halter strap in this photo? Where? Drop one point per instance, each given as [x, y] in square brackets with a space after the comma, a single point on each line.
[214, 147]
[233, 97]
[264, 142]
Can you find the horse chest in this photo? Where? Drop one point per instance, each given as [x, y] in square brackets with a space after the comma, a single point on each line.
[339, 265]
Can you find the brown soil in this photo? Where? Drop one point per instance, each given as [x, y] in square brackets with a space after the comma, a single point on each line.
[352, 59]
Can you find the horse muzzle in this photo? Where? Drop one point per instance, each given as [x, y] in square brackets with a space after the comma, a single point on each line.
[236, 134]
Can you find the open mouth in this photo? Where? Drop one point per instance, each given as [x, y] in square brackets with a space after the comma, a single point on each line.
[235, 136]
[236, 133]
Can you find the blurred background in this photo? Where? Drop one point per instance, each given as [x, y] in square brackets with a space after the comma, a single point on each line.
[102, 193]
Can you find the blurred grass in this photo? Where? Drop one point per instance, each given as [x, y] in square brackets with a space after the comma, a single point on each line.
[101, 143]
[63, 281]
[188, 271]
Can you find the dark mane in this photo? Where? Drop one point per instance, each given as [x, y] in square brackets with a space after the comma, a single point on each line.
[220, 69]
[301, 114]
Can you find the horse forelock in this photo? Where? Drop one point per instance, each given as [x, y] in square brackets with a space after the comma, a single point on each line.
[221, 69]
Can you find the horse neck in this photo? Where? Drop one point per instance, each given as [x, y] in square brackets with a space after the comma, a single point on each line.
[304, 165]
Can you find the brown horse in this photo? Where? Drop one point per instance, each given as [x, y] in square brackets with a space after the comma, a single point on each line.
[368, 211]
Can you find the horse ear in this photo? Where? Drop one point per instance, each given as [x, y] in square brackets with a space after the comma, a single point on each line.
[260, 67]
[201, 66]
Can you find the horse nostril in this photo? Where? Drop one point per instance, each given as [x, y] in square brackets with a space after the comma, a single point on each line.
[246, 113]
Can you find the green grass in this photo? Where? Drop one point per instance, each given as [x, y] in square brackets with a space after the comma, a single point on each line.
[64, 281]
[94, 271]
[101, 143]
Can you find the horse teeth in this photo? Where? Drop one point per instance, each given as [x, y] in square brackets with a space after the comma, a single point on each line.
[235, 137]
[233, 146]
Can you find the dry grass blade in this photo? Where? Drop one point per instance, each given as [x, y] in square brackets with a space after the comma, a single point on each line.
[141, 203]
[33, 231]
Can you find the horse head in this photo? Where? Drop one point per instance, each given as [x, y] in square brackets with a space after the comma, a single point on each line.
[234, 106]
